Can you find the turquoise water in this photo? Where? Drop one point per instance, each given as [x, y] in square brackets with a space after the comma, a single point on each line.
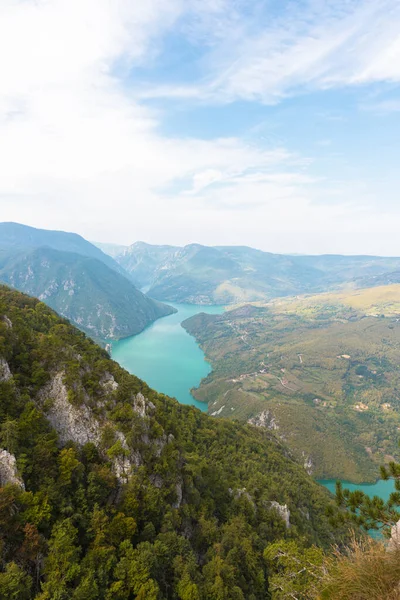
[381, 488]
[165, 356]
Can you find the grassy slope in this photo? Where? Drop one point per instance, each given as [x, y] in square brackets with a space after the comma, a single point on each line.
[324, 368]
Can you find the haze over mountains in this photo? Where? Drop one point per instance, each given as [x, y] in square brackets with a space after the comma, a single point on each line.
[231, 274]
[77, 279]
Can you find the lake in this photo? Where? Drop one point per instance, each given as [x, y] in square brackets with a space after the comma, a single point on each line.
[165, 356]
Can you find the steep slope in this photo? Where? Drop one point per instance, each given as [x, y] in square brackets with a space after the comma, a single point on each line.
[322, 372]
[15, 237]
[225, 275]
[146, 263]
[110, 490]
[100, 301]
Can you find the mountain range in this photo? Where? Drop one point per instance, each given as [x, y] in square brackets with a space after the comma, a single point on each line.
[200, 274]
[77, 279]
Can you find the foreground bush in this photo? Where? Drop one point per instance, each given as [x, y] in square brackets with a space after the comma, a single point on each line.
[369, 570]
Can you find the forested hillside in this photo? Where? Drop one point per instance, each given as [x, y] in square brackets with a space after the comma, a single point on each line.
[77, 280]
[112, 491]
[322, 372]
[15, 237]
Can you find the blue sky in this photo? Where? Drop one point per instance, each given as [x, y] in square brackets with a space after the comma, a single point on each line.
[270, 123]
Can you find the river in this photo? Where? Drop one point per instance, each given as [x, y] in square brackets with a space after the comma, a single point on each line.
[381, 488]
[169, 360]
[165, 356]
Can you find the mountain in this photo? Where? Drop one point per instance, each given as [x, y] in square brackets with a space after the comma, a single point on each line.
[112, 250]
[99, 300]
[233, 274]
[322, 372]
[15, 237]
[146, 262]
[110, 490]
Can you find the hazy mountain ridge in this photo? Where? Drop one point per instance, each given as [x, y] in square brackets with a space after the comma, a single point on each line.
[230, 274]
[15, 236]
[98, 298]
[110, 490]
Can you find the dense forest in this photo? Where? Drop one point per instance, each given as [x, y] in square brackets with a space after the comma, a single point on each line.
[110, 490]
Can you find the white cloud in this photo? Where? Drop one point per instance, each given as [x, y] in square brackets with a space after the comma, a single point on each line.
[317, 44]
[79, 151]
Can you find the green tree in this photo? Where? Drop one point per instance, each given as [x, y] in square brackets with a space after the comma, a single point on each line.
[293, 570]
[62, 568]
[15, 584]
[372, 513]
[9, 435]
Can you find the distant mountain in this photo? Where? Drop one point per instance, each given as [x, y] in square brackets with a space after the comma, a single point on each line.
[230, 274]
[112, 250]
[390, 278]
[18, 237]
[96, 297]
[147, 263]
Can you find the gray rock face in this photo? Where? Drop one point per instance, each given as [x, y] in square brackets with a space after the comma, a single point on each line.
[264, 419]
[80, 426]
[308, 464]
[283, 512]
[179, 496]
[7, 321]
[5, 373]
[139, 405]
[394, 541]
[70, 422]
[8, 470]
[108, 383]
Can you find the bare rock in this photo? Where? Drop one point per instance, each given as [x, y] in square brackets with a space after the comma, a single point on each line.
[71, 423]
[8, 470]
[7, 321]
[308, 464]
[108, 383]
[394, 541]
[264, 419]
[5, 373]
[283, 511]
[179, 495]
[139, 405]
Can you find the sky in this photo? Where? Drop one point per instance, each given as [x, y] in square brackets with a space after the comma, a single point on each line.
[268, 123]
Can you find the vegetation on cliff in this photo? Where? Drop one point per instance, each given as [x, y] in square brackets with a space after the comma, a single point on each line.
[127, 494]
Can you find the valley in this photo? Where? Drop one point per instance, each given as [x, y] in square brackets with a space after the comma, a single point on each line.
[109, 489]
[322, 372]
